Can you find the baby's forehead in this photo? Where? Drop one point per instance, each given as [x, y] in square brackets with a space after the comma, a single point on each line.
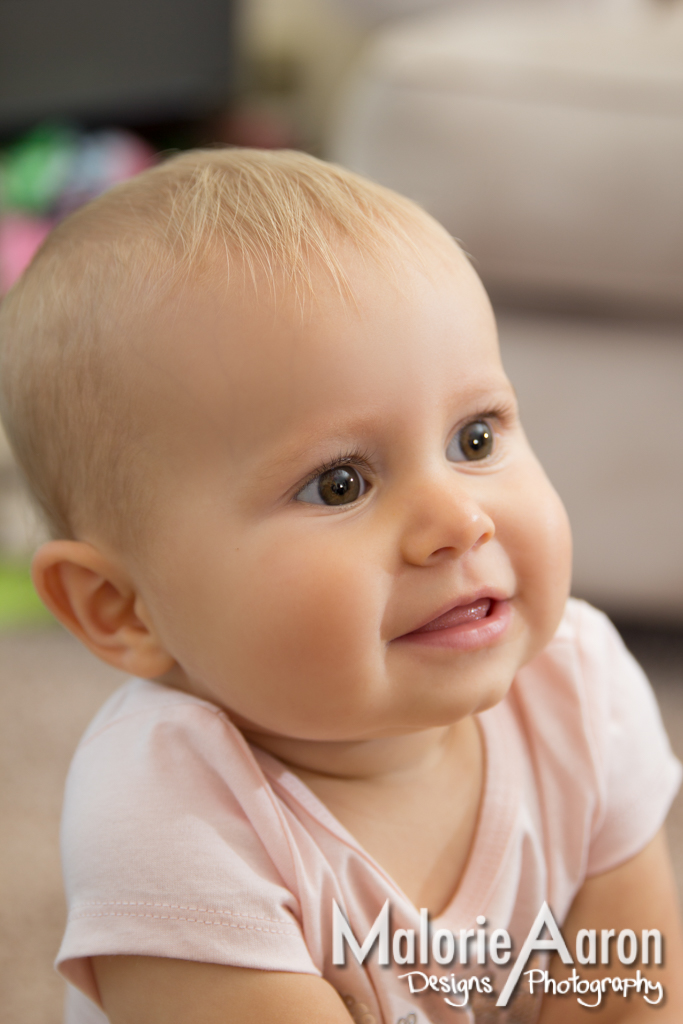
[240, 340]
[348, 276]
[235, 311]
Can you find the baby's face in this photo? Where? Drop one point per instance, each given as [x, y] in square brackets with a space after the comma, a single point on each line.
[352, 537]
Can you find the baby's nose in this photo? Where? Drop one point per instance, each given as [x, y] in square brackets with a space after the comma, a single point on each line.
[446, 521]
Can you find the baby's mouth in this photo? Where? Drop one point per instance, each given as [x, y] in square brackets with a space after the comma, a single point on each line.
[457, 616]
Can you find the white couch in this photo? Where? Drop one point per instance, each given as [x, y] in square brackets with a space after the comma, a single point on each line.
[549, 139]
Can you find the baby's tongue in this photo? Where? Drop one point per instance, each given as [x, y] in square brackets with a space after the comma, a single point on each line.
[456, 616]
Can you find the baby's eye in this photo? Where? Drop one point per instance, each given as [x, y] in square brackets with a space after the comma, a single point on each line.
[473, 442]
[338, 486]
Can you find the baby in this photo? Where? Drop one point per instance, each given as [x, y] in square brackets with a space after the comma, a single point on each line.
[373, 766]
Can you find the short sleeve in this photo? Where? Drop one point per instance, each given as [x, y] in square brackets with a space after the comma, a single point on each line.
[173, 844]
[637, 771]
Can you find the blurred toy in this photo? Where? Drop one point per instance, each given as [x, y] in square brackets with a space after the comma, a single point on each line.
[35, 169]
[103, 159]
[50, 172]
[20, 237]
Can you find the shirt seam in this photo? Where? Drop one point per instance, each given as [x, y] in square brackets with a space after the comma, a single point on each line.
[179, 906]
[290, 930]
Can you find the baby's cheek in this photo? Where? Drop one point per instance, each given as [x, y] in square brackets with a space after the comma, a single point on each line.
[310, 619]
[545, 564]
[533, 530]
[555, 537]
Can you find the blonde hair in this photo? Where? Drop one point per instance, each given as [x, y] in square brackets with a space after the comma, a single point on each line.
[70, 409]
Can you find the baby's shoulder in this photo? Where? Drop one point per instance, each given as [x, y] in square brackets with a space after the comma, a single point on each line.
[163, 783]
[586, 664]
[140, 703]
[172, 843]
[585, 702]
[153, 754]
[145, 727]
[587, 632]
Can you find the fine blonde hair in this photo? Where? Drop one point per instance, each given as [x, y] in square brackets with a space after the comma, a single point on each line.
[70, 409]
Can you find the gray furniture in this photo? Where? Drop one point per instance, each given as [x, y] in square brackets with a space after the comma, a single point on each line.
[549, 139]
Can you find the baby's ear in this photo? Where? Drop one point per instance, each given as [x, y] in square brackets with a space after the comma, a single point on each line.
[92, 595]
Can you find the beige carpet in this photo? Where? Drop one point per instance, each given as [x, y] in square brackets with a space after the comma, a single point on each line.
[50, 689]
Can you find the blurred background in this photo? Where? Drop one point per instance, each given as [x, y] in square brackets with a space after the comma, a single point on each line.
[546, 135]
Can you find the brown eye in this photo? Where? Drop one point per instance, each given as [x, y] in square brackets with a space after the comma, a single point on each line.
[473, 442]
[338, 486]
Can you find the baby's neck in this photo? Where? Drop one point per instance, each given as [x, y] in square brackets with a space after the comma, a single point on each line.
[403, 759]
[410, 801]
[398, 757]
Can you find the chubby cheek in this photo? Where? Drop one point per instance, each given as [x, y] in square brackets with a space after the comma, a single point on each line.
[292, 642]
[537, 538]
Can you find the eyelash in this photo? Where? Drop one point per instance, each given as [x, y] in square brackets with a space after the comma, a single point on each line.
[359, 458]
[497, 417]
[501, 414]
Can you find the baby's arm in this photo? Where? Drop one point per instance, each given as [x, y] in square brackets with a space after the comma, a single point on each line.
[638, 894]
[155, 990]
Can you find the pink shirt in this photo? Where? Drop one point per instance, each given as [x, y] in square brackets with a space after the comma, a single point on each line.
[182, 840]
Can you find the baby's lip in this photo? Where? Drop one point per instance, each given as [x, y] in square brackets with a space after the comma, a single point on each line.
[470, 608]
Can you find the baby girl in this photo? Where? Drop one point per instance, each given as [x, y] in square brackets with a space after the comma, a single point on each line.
[372, 765]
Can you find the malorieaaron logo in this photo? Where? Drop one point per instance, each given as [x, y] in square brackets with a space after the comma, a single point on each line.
[408, 947]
